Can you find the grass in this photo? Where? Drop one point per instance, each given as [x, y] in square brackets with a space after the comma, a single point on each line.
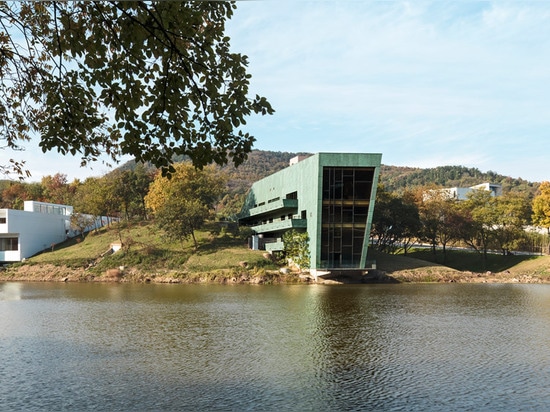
[145, 247]
[472, 261]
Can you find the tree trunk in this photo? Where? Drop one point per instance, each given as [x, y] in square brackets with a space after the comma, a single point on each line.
[194, 240]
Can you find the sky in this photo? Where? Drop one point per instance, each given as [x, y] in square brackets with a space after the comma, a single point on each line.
[425, 83]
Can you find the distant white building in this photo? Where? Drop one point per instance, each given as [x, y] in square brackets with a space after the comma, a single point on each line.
[461, 193]
[24, 233]
[39, 226]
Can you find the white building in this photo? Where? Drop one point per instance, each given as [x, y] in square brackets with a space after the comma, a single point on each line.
[23, 233]
[461, 193]
[39, 226]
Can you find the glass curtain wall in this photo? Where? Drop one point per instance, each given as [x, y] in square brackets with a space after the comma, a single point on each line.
[346, 196]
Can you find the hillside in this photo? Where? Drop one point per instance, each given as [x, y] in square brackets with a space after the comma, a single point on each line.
[397, 178]
[262, 163]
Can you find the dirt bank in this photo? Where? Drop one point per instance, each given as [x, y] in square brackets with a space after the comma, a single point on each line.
[432, 274]
[53, 273]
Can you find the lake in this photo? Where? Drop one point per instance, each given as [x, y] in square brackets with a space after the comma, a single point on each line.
[150, 347]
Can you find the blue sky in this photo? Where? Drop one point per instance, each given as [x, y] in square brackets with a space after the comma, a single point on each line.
[426, 84]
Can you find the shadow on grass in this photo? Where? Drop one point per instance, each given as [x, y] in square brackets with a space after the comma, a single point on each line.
[63, 245]
[470, 260]
[210, 246]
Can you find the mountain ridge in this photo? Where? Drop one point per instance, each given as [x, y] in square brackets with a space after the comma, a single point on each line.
[262, 163]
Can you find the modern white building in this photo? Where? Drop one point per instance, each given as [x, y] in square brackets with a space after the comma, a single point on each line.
[461, 193]
[23, 233]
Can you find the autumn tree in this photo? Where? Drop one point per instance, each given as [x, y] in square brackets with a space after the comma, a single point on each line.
[14, 195]
[151, 79]
[541, 208]
[183, 202]
[57, 189]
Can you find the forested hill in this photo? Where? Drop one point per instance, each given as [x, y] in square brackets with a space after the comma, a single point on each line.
[394, 178]
[262, 163]
[397, 178]
[259, 164]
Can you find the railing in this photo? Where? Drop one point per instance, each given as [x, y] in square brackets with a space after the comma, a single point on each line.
[280, 204]
[274, 246]
[280, 225]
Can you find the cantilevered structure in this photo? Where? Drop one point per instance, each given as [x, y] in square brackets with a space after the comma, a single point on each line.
[329, 195]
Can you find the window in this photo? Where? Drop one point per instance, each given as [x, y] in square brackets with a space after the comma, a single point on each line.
[9, 243]
[3, 220]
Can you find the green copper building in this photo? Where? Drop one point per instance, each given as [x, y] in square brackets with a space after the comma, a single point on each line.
[329, 195]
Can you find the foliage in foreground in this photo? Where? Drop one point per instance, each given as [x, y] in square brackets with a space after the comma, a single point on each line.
[150, 79]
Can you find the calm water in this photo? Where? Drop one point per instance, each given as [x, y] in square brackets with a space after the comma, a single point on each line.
[273, 348]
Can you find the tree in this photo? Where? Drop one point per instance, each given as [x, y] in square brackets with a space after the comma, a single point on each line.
[513, 214]
[442, 218]
[433, 207]
[395, 221]
[230, 206]
[180, 218]
[147, 79]
[80, 222]
[128, 189]
[296, 247]
[98, 197]
[482, 218]
[135, 187]
[14, 195]
[541, 208]
[56, 189]
[183, 202]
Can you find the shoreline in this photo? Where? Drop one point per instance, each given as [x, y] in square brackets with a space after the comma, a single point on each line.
[52, 273]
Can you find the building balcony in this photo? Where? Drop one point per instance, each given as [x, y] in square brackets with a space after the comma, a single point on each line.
[281, 205]
[274, 246]
[280, 225]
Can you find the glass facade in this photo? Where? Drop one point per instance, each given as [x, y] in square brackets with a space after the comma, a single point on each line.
[346, 197]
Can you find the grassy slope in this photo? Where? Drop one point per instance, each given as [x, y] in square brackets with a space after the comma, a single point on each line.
[148, 253]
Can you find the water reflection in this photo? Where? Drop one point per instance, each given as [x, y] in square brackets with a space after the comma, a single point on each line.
[10, 291]
[391, 347]
[300, 347]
